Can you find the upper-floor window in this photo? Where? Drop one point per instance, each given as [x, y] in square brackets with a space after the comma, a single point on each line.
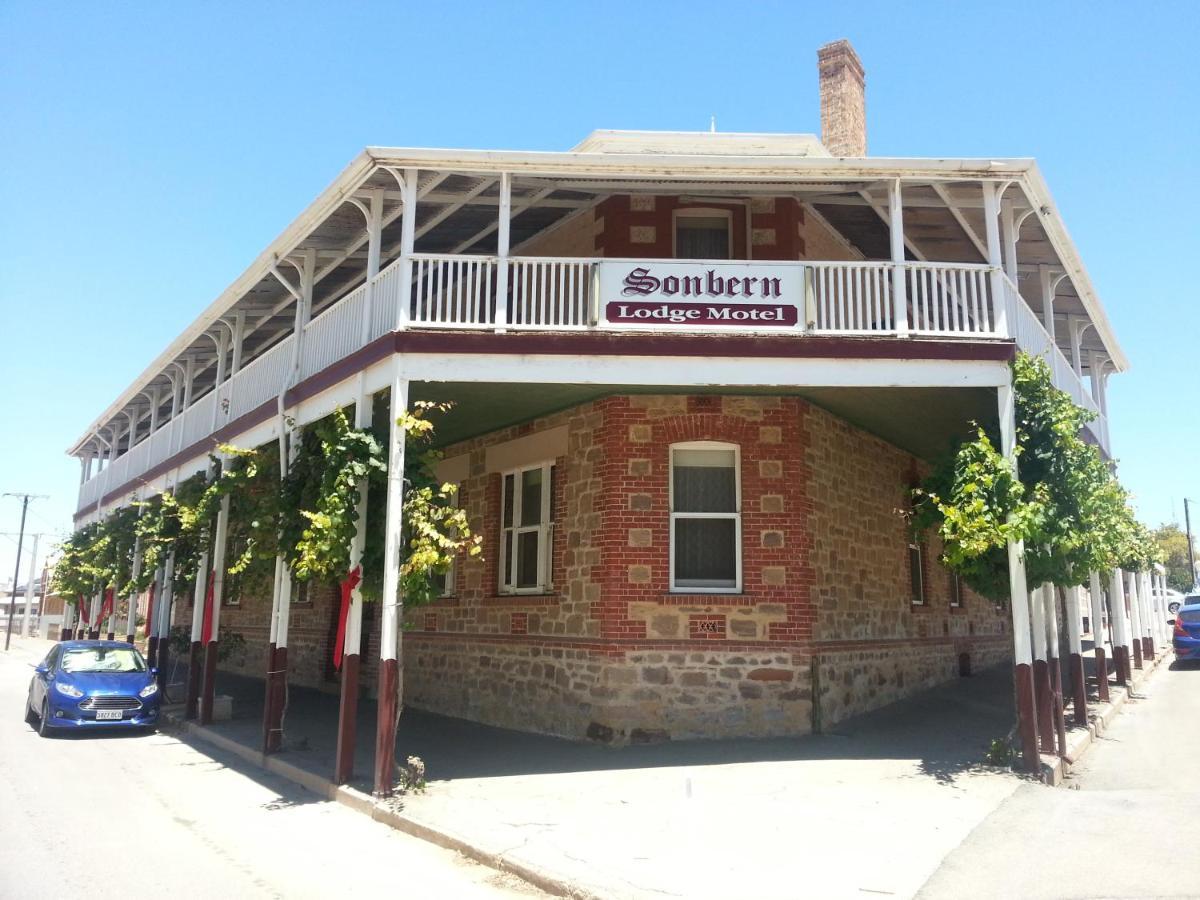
[703, 234]
[526, 529]
[706, 519]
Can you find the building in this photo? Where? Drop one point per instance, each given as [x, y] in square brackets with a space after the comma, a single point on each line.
[694, 376]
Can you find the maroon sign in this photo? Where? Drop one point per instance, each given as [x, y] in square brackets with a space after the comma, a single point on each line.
[664, 313]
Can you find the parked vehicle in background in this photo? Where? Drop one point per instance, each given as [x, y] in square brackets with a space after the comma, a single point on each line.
[92, 684]
[1186, 636]
[1173, 599]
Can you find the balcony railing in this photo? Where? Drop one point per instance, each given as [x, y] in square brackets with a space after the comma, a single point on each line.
[948, 300]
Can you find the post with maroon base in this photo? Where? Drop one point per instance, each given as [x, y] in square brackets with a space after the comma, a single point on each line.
[1019, 603]
[1097, 603]
[199, 598]
[1135, 615]
[1120, 626]
[389, 633]
[132, 601]
[1054, 663]
[1073, 609]
[209, 677]
[347, 736]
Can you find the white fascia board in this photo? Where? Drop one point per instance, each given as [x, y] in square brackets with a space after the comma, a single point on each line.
[662, 165]
[1039, 195]
[641, 371]
[351, 178]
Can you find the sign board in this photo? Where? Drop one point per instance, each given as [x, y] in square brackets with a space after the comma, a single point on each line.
[701, 294]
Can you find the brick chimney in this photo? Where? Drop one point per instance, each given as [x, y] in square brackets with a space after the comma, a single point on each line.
[843, 100]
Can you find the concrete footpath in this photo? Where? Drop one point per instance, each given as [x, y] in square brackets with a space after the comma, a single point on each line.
[871, 808]
[1125, 826]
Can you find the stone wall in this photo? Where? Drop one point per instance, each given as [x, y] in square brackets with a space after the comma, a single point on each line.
[874, 644]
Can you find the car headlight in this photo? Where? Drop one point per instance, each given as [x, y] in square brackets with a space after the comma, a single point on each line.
[149, 690]
[68, 689]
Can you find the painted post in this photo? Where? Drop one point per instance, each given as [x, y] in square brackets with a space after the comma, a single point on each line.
[1135, 614]
[209, 679]
[68, 622]
[132, 600]
[1019, 604]
[94, 616]
[1041, 671]
[199, 596]
[1097, 598]
[1054, 663]
[1149, 610]
[1000, 298]
[390, 686]
[500, 321]
[156, 590]
[162, 622]
[1073, 610]
[1120, 626]
[899, 269]
[347, 734]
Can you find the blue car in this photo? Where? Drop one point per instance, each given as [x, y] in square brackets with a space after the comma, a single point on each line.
[1186, 637]
[92, 684]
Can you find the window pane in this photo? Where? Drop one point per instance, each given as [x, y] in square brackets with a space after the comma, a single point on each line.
[704, 481]
[527, 559]
[508, 559]
[506, 516]
[914, 569]
[706, 553]
[702, 237]
[531, 497]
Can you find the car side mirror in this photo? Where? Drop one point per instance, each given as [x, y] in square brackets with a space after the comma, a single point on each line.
[154, 670]
[40, 669]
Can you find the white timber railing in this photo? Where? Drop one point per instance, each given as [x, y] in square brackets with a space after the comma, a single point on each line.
[462, 292]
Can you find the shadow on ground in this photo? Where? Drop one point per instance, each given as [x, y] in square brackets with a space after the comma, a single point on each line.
[947, 730]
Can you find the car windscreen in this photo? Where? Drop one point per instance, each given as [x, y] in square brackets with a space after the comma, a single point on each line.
[103, 659]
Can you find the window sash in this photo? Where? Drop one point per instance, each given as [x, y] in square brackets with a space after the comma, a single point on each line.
[511, 512]
[916, 565]
[688, 454]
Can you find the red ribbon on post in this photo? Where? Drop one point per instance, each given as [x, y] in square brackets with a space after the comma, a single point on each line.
[106, 607]
[83, 610]
[339, 644]
[206, 627]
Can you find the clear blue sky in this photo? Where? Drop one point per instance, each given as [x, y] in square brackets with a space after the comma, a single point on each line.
[150, 151]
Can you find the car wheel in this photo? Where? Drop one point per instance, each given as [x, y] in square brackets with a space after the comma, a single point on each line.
[44, 720]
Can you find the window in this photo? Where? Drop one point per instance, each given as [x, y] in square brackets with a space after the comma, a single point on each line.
[916, 573]
[956, 591]
[526, 529]
[703, 234]
[302, 592]
[443, 582]
[706, 521]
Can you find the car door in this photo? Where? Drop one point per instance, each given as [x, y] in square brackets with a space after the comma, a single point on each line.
[41, 680]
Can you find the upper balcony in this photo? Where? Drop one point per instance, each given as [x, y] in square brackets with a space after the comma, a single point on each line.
[797, 246]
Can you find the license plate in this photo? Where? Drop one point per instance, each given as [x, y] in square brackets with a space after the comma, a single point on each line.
[107, 714]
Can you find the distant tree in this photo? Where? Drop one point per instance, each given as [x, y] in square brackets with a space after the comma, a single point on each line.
[1173, 543]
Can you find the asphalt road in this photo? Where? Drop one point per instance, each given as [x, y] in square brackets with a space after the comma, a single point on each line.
[1127, 823]
[121, 816]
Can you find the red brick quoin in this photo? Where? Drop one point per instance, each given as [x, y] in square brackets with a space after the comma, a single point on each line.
[637, 435]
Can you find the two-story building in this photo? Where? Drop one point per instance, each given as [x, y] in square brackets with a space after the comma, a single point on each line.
[695, 376]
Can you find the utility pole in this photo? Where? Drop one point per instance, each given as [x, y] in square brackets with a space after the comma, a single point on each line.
[29, 588]
[1187, 519]
[12, 599]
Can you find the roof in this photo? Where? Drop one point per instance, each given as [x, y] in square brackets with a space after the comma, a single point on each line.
[606, 160]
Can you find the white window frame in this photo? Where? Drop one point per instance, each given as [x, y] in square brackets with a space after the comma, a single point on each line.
[923, 598]
[956, 591]
[449, 585]
[545, 529]
[701, 212]
[736, 515]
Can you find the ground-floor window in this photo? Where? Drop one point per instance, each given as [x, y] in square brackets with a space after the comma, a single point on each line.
[706, 520]
[916, 572]
[526, 529]
[956, 591]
